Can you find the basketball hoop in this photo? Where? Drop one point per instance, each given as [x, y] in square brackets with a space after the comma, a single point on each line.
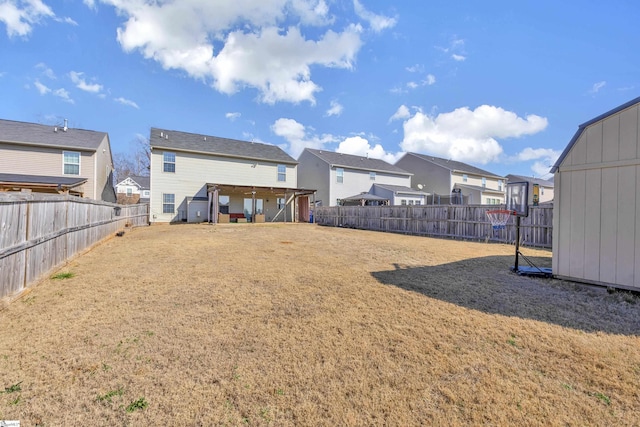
[499, 218]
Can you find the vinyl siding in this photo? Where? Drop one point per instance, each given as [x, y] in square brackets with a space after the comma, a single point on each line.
[313, 173]
[30, 160]
[434, 178]
[359, 181]
[194, 171]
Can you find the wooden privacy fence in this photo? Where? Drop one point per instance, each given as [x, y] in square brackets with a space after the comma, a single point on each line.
[39, 232]
[456, 221]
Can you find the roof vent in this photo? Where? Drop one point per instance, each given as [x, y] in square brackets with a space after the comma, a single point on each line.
[161, 134]
[55, 128]
[205, 138]
[166, 136]
[65, 125]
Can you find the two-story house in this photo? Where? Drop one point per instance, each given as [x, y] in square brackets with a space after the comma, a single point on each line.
[133, 189]
[545, 188]
[449, 178]
[197, 178]
[55, 159]
[338, 176]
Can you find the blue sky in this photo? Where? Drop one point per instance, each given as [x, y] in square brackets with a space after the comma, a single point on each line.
[502, 85]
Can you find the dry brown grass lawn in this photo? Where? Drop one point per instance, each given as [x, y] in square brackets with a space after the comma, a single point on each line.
[304, 325]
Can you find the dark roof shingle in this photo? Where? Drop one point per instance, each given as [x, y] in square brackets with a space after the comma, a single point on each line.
[455, 165]
[184, 141]
[357, 162]
[45, 135]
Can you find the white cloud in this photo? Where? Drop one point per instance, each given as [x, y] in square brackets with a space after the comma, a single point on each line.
[415, 68]
[46, 71]
[335, 110]
[401, 113]
[64, 94]
[41, 88]
[544, 158]
[126, 102]
[458, 58]
[377, 22]
[67, 20]
[297, 136]
[430, 79]
[82, 84]
[91, 4]
[597, 86]
[467, 135]
[20, 16]
[240, 44]
[360, 146]
[232, 116]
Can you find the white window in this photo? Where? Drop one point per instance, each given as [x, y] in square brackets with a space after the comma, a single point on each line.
[403, 202]
[280, 202]
[129, 191]
[168, 203]
[71, 162]
[169, 161]
[418, 202]
[411, 202]
[465, 178]
[372, 176]
[541, 191]
[282, 173]
[499, 185]
[484, 181]
[145, 193]
[339, 175]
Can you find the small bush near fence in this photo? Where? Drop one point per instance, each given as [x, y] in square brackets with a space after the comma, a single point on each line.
[40, 231]
[456, 221]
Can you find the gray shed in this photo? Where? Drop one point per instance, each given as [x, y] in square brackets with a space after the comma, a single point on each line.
[596, 218]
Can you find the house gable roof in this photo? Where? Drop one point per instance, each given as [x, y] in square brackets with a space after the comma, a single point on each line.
[34, 134]
[585, 125]
[197, 143]
[479, 188]
[454, 165]
[520, 178]
[350, 161]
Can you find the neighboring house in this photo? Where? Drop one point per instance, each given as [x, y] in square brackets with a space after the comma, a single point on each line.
[596, 211]
[55, 159]
[198, 178]
[338, 176]
[399, 194]
[444, 177]
[545, 188]
[133, 189]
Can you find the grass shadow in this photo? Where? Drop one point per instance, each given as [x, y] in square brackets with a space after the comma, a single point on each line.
[487, 284]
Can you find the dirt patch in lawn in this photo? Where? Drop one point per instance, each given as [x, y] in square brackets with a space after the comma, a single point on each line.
[296, 324]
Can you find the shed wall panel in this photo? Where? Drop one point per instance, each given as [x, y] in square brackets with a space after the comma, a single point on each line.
[563, 228]
[593, 204]
[609, 225]
[579, 152]
[625, 258]
[576, 225]
[629, 134]
[594, 144]
[611, 138]
[636, 278]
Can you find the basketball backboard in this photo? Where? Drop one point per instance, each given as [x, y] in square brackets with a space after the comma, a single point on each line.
[518, 197]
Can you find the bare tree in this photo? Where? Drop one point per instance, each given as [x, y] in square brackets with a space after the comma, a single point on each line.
[136, 162]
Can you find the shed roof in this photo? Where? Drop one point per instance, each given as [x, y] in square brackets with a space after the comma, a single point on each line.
[50, 136]
[198, 143]
[583, 126]
[357, 162]
[454, 165]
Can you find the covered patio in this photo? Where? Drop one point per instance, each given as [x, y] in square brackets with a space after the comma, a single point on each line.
[237, 203]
